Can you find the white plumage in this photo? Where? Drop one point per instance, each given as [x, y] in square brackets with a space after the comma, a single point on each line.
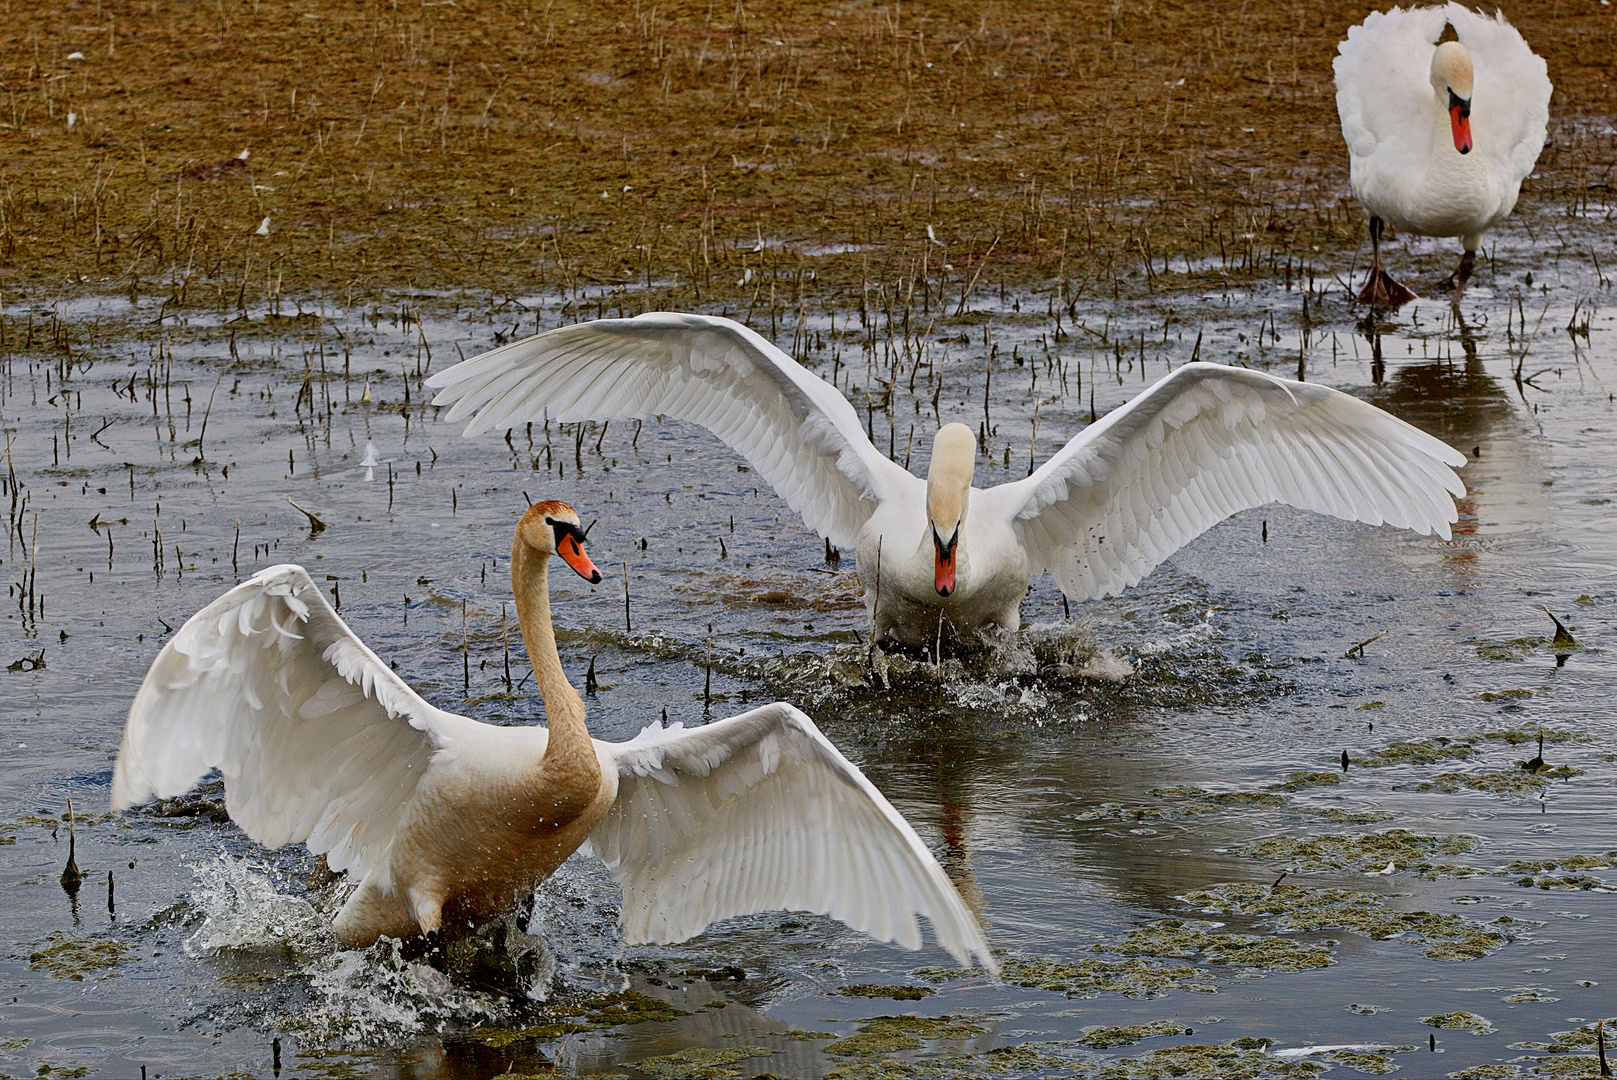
[1440, 137]
[1123, 495]
[320, 742]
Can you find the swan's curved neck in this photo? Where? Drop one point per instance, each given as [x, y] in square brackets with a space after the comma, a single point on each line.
[570, 744]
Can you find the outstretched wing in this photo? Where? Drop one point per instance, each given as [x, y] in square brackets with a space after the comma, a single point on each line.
[318, 740]
[794, 428]
[1209, 440]
[1510, 101]
[1383, 94]
[758, 813]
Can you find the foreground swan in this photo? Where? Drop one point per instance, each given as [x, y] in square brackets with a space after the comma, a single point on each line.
[1122, 496]
[443, 821]
[1441, 136]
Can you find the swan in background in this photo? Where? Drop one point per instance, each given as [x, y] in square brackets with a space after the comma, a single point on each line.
[1441, 136]
[443, 822]
[1122, 496]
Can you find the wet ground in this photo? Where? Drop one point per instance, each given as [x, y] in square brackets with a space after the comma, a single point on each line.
[1117, 790]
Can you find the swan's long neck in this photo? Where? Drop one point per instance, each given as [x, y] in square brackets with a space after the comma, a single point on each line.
[570, 749]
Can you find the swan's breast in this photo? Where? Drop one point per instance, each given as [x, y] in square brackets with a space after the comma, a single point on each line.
[1452, 196]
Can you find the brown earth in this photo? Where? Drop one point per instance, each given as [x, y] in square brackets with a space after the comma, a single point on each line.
[466, 144]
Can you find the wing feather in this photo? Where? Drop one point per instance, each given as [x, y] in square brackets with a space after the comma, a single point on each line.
[1382, 90]
[800, 434]
[318, 740]
[1511, 97]
[1208, 441]
[760, 812]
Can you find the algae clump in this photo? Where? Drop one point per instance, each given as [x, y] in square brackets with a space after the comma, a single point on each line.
[1175, 937]
[74, 958]
[1294, 909]
[1102, 1037]
[701, 1062]
[1366, 851]
[1375, 1064]
[1229, 1062]
[1461, 1020]
[1087, 978]
[1299, 780]
[878, 990]
[1517, 781]
[1417, 752]
[889, 1034]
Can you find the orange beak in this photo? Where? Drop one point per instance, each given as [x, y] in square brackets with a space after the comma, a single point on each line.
[1460, 118]
[943, 565]
[572, 553]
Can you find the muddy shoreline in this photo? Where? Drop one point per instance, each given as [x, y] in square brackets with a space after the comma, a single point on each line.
[767, 154]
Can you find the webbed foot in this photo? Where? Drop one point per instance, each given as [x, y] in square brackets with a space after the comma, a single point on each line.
[1382, 291]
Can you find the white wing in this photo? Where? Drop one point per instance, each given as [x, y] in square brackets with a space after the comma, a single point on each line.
[1510, 101]
[794, 428]
[1383, 87]
[1209, 440]
[318, 740]
[758, 813]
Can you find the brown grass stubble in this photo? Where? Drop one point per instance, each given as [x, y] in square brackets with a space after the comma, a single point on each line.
[599, 146]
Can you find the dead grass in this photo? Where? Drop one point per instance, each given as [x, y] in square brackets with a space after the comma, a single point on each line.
[592, 147]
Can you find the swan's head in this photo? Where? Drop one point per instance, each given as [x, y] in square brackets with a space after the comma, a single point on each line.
[948, 488]
[1452, 77]
[553, 528]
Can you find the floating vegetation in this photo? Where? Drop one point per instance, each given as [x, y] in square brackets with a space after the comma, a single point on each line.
[889, 1034]
[1531, 994]
[499, 1037]
[1571, 862]
[627, 1007]
[1518, 694]
[1416, 752]
[701, 1062]
[1176, 937]
[558, 1018]
[1106, 1037]
[1293, 909]
[1375, 1064]
[1509, 649]
[877, 990]
[1365, 851]
[1489, 1071]
[1462, 1020]
[1199, 801]
[74, 958]
[1353, 817]
[1089, 977]
[1024, 1059]
[1299, 780]
[1517, 781]
[1580, 1038]
[1521, 736]
[1567, 1066]
[1232, 1061]
[1584, 882]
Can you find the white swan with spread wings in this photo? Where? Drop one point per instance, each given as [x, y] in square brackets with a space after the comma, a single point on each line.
[1122, 496]
[443, 822]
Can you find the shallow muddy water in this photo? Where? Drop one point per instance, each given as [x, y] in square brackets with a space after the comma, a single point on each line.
[1116, 791]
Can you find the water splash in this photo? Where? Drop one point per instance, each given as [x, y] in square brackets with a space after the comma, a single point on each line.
[372, 996]
[241, 908]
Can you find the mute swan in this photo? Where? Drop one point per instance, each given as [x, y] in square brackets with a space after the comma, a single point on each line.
[1441, 136]
[1123, 495]
[443, 821]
